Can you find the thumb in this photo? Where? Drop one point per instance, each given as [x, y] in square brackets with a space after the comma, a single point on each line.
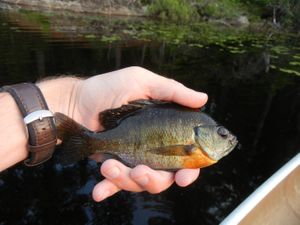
[170, 90]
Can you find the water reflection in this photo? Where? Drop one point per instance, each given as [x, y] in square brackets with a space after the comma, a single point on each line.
[248, 93]
[152, 209]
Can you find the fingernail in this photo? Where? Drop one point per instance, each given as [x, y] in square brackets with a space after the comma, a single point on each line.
[113, 172]
[103, 195]
[143, 181]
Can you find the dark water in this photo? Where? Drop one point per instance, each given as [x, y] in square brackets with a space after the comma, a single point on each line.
[254, 89]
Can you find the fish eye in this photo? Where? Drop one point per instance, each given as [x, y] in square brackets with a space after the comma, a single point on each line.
[222, 131]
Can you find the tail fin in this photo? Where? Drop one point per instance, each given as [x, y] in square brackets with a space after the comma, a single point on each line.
[74, 141]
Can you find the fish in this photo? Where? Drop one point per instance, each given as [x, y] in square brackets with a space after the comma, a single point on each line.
[161, 135]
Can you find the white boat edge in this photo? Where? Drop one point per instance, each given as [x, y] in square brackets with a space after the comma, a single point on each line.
[239, 213]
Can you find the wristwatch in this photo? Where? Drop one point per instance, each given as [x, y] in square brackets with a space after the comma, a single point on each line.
[38, 120]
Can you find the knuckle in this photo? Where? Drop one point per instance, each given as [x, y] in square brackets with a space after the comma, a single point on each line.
[141, 167]
[137, 69]
[174, 82]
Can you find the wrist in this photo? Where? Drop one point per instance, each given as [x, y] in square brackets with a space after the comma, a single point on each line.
[60, 95]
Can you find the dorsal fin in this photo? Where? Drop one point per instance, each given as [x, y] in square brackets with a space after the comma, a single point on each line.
[147, 102]
[112, 117]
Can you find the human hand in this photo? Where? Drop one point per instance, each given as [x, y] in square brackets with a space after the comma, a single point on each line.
[114, 89]
[111, 90]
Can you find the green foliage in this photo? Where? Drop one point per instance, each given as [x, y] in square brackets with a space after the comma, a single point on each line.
[111, 39]
[294, 63]
[188, 10]
[257, 2]
[222, 9]
[39, 19]
[289, 71]
[176, 10]
[288, 10]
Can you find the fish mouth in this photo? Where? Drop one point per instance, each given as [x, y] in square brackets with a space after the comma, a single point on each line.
[233, 141]
[229, 149]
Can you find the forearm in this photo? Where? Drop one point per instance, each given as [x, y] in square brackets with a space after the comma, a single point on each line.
[58, 94]
[13, 136]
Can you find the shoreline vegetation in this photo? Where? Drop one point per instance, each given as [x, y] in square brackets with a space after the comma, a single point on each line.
[235, 13]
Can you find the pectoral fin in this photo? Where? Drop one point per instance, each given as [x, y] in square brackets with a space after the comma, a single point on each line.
[174, 150]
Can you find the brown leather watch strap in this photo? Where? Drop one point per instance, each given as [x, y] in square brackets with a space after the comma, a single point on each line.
[42, 131]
